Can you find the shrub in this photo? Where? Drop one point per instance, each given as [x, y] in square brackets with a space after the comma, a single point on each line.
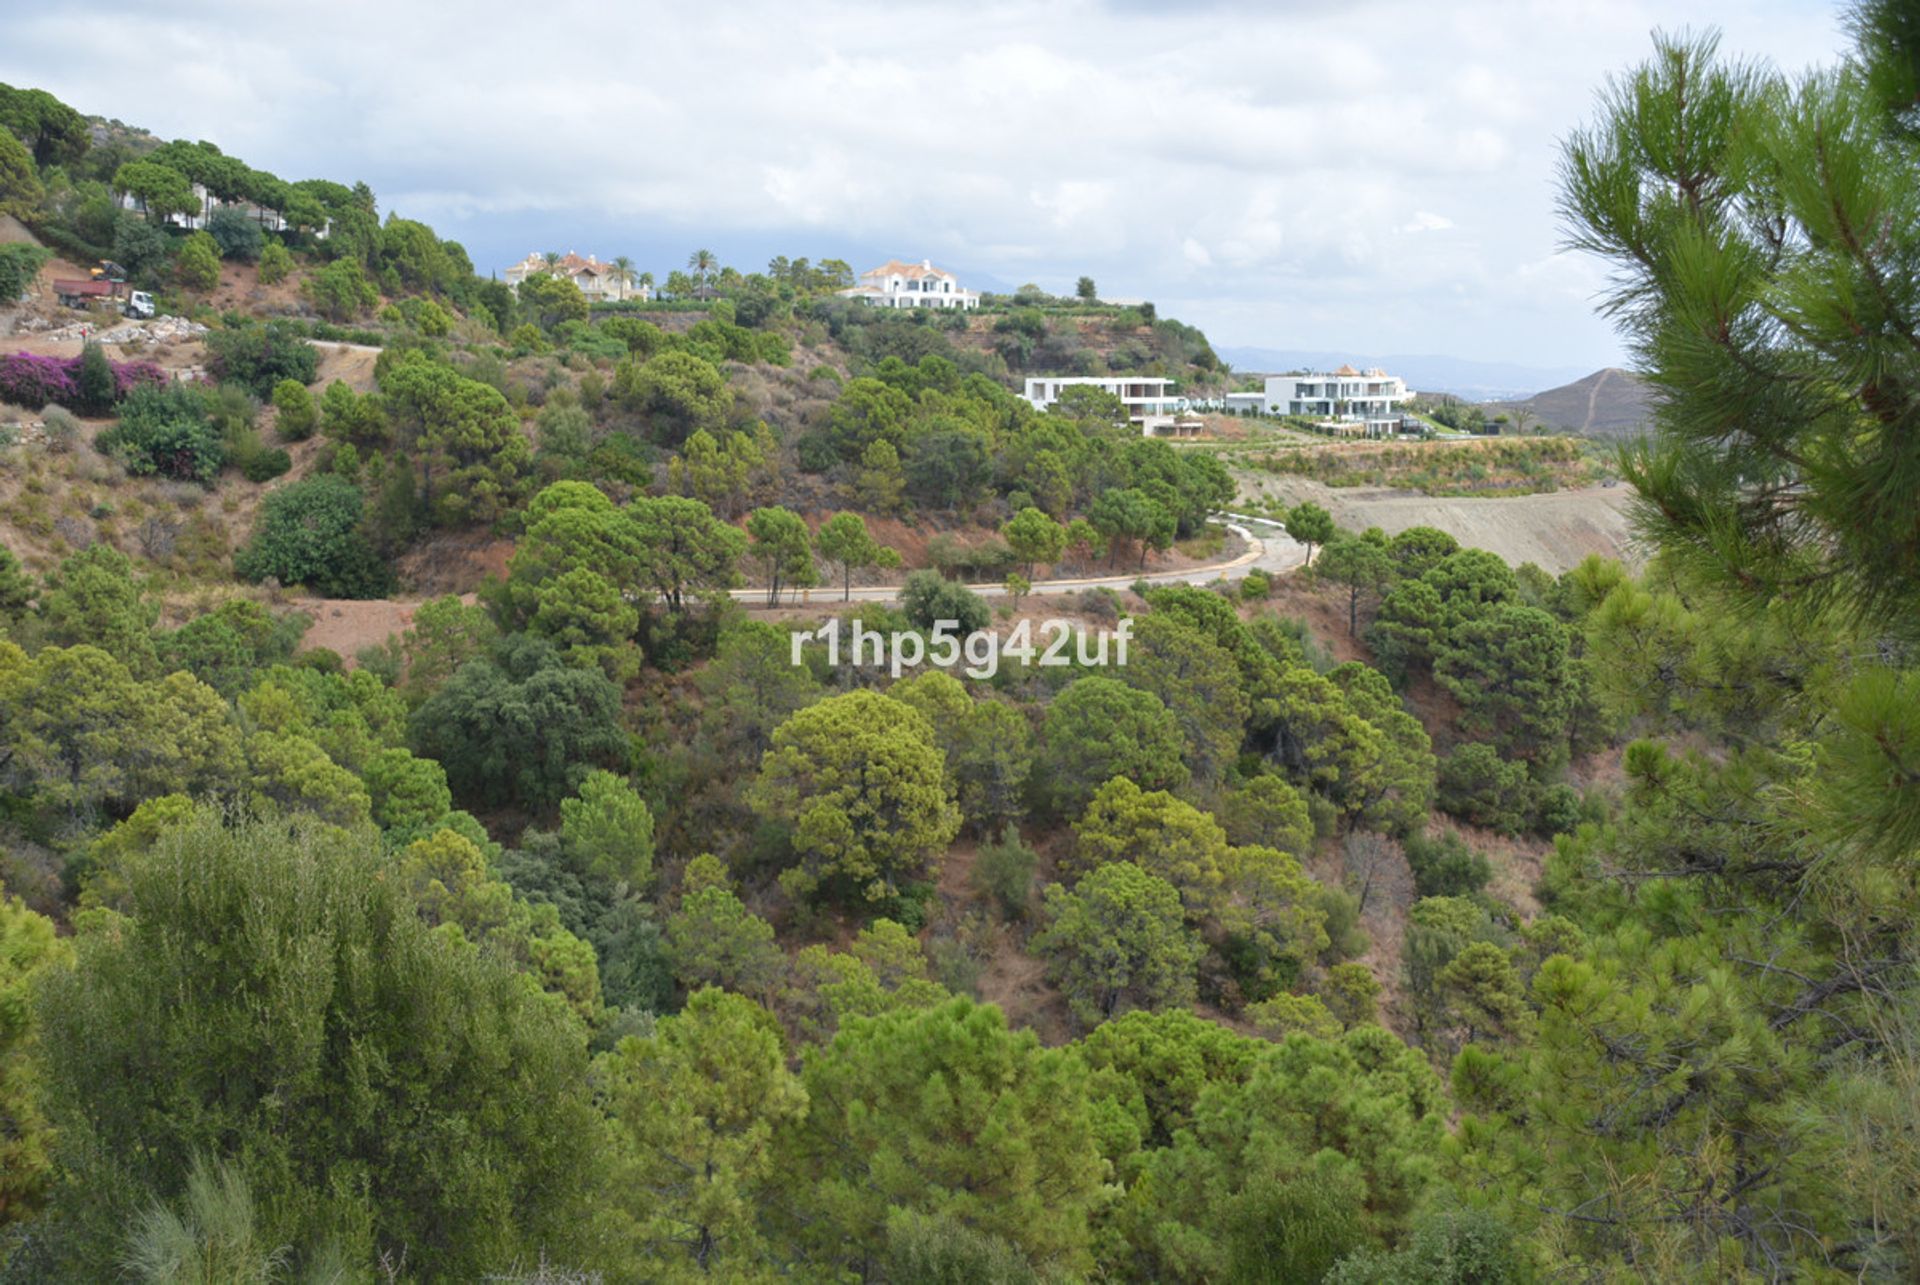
[309, 534]
[297, 416]
[1446, 866]
[62, 429]
[1004, 871]
[1256, 586]
[260, 357]
[236, 233]
[19, 265]
[198, 263]
[94, 385]
[1557, 812]
[27, 380]
[1478, 786]
[1098, 604]
[265, 465]
[929, 598]
[1349, 993]
[340, 291]
[167, 432]
[275, 263]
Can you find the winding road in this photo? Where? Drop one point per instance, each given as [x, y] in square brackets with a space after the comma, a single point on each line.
[346, 625]
[1276, 552]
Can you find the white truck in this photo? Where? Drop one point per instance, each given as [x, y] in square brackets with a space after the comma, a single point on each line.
[107, 285]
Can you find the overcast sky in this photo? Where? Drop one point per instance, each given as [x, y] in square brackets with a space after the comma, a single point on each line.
[1366, 175]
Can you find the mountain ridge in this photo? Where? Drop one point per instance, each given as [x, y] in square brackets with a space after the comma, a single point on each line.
[1609, 403]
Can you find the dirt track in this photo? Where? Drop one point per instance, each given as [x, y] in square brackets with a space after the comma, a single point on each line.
[1554, 531]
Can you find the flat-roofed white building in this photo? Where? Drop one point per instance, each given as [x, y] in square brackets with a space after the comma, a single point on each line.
[1150, 402]
[1371, 399]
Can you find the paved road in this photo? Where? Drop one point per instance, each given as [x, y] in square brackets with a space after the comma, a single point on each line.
[1272, 551]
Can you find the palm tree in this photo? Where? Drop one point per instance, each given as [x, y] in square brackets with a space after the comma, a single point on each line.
[623, 269]
[703, 263]
[552, 258]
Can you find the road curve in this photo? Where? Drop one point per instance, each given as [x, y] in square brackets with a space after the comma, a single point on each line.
[1276, 552]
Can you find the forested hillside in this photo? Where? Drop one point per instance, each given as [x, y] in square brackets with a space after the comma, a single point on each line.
[1411, 917]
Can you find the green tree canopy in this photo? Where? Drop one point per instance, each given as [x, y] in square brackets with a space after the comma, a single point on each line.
[843, 541]
[323, 1035]
[1098, 729]
[309, 534]
[677, 393]
[863, 791]
[1119, 941]
[607, 831]
[695, 1107]
[944, 1111]
[1309, 524]
[783, 547]
[520, 726]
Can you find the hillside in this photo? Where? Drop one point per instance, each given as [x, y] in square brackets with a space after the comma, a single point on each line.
[500, 784]
[1610, 403]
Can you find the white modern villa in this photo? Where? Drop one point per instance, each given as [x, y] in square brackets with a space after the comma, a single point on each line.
[912, 285]
[1369, 401]
[1150, 403]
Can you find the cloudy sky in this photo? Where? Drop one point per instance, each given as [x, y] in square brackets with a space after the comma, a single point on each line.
[1364, 175]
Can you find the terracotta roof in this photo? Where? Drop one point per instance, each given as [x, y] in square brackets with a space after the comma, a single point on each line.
[911, 271]
[1346, 370]
[570, 264]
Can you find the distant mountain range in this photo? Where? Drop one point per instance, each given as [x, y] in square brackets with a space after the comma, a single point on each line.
[1608, 403]
[1476, 381]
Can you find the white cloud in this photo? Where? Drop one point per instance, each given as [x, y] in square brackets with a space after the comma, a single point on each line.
[1264, 164]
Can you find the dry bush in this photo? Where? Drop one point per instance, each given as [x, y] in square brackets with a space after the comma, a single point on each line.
[158, 536]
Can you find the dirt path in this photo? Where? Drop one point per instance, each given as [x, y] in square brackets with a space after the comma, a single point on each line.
[344, 625]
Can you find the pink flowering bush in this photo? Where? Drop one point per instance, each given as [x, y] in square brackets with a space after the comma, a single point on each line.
[33, 382]
[129, 375]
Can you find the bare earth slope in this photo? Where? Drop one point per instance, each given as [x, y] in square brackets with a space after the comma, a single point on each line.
[1554, 530]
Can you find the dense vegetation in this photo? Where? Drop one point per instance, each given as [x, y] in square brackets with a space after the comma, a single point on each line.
[581, 930]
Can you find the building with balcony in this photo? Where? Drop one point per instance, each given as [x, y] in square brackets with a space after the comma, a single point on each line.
[1150, 403]
[1370, 399]
[911, 285]
[599, 282]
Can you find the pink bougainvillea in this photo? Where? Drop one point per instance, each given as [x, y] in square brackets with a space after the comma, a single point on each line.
[33, 382]
[129, 375]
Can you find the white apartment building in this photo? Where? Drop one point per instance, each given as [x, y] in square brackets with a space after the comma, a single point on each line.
[1370, 399]
[912, 285]
[1150, 403]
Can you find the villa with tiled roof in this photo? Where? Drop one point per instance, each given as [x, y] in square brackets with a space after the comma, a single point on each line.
[597, 281]
[895, 284]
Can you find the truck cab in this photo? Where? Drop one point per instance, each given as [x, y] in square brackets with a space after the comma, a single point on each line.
[139, 304]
